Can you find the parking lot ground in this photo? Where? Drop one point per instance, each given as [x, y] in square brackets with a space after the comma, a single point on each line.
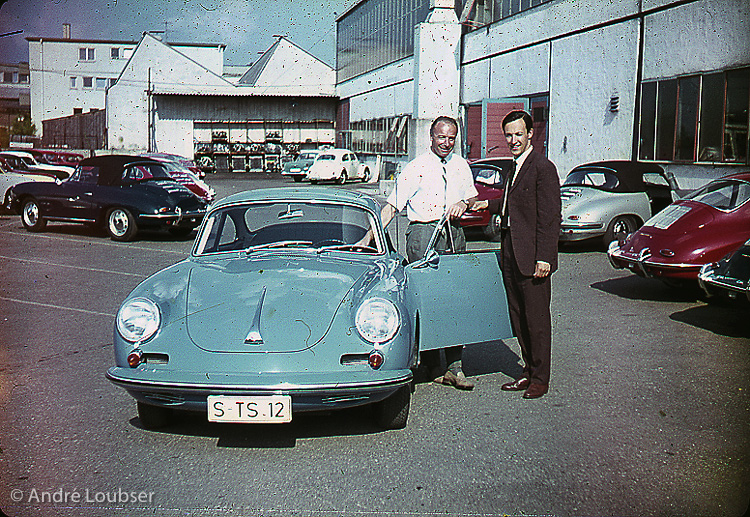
[648, 413]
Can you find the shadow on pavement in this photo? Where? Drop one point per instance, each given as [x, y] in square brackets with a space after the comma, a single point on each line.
[647, 289]
[725, 319]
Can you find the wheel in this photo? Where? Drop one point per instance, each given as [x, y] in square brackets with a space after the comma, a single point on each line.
[342, 178]
[31, 216]
[619, 228]
[492, 230]
[181, 231]
[366, 177]
[393, 412]
[297, 178]
[121, 225]
[153, 417]
[314, 182]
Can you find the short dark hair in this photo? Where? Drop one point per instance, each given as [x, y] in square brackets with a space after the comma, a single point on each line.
[519, 114]
[445, 120]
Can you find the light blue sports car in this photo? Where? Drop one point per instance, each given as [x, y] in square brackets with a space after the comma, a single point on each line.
[280, 309]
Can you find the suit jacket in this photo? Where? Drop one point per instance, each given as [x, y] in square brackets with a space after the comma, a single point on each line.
[535, 213]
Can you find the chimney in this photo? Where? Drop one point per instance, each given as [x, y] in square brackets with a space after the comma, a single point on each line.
[66, 31]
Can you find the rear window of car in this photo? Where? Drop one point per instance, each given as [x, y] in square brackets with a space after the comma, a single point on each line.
[592, 178]
[327, 157]
[308, 156]
[723, 194]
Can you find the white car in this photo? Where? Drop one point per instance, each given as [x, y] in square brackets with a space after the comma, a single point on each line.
[9, 178]
[338, 165]
[22, 160]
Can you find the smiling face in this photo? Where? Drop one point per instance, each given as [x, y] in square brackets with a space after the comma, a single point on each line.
[443, 139]
[518, 137]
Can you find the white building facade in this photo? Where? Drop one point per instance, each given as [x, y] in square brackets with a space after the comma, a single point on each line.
[658, 80]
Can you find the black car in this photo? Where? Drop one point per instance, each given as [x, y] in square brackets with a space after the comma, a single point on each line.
[728, 277]
[121, 193]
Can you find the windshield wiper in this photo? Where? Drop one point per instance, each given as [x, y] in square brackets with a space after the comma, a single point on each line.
[347, 247]
[279, 244]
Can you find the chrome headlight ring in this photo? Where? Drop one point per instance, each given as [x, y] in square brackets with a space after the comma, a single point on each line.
[377, 320]
[138, 320]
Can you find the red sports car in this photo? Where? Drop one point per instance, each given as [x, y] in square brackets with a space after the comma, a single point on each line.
[699, 229]
[489, 179]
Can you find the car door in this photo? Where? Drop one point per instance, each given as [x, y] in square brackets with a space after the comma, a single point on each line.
[460, 299]
[75, 198]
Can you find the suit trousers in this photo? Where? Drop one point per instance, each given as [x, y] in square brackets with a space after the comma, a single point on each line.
[530, 318]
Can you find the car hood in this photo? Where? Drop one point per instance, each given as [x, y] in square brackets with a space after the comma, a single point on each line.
[297, 164]
[273, 305]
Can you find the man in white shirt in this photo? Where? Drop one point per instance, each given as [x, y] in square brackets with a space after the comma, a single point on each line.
[435, 183]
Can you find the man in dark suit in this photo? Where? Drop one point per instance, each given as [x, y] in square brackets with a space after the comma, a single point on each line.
[531, 219]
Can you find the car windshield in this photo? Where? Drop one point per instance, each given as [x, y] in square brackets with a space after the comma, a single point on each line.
[723, 194]
[318, 226]
[487, 175]
[600, 178]
[307, 156]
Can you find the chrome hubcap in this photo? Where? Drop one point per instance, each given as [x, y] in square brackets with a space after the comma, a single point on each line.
[118, 223]
[31, 213]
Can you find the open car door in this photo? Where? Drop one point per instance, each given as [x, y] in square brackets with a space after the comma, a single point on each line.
[460, 299]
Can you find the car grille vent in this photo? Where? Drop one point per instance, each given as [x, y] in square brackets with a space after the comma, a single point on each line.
[155, 358]
[348, 359]
[164, 398]
[343, 398]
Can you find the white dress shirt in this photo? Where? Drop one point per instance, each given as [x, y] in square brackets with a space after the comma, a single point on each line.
[426, 186]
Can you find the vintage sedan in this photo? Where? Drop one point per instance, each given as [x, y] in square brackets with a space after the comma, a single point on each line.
[338, 165]
[9, 178]
[729, 277]
[280, 309]
[297, 168]
[489, 179]
[699, 229]
[56, 157]
[121, 193]
[610, 199]
[24, 163]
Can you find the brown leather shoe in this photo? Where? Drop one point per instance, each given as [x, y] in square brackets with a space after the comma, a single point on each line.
[534, 391]
[457, 380]
[519, 385]
[436, 375]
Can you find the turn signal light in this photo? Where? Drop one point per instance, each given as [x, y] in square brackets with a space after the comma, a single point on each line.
[376, 359]
[134, 358]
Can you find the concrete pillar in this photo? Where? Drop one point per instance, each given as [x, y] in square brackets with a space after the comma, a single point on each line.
[436, 70]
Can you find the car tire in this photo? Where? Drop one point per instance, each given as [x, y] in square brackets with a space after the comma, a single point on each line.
[342, 178]
[153, 417]
[31, 216]
[393, 412]
[366, 177]
[492, 230]
[298, 179]
[120, 225]
[314, 182]
[619, 228]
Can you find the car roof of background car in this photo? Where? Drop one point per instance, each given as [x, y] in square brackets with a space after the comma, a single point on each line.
[629, 173]
[111, 165]
[303, 194]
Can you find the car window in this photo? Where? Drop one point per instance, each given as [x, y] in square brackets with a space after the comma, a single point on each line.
[326, 157]
[592, 178]
[487, 175]
[88, 175]
[142, 171]
[307, 156]
[304, 225]
[723, 194]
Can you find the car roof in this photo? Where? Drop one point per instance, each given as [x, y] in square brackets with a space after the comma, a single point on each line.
[630, 173]
[111, 165]
[24, 154]
[303, 194]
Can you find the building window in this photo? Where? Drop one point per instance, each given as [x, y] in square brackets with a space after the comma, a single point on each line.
[77, 111]
[114, 53]
[73, 82]
[101, 83]
[23, 78]
[86, 54]
[112, 81]
[484, 12]
[126, 53]
[697, 118]
[88, 82]
[7, 77]
[387, 136]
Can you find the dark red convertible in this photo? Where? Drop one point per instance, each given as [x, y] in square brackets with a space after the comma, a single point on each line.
[489, 179]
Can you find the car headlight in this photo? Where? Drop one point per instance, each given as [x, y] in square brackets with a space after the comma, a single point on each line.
[138, 320]
[377, 320]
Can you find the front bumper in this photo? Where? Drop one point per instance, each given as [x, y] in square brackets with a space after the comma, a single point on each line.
[713, 283]
[309, 391]
[580, 231]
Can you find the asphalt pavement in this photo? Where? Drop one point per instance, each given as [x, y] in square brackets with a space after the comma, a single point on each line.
[648, 413]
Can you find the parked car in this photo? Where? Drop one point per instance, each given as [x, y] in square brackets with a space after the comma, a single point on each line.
[188, 178]
[121, 193]
[8, 178]
[609, 200]
[298, 167]
[728, 277]
[490, 175]
[56, 157]
[279, 310]
[338, 165]
[699, 229]
[24, 163]
[185, 162]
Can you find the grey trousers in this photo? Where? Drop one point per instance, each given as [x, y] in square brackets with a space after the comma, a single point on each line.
[417, 238]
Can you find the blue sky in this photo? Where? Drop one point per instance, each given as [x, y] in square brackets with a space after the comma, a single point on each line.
[245, 26]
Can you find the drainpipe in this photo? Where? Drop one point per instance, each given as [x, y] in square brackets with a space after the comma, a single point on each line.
[638, 79]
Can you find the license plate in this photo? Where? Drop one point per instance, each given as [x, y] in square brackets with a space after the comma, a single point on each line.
[244, 410]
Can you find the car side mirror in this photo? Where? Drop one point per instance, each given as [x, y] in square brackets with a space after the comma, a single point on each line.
[431, 259]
